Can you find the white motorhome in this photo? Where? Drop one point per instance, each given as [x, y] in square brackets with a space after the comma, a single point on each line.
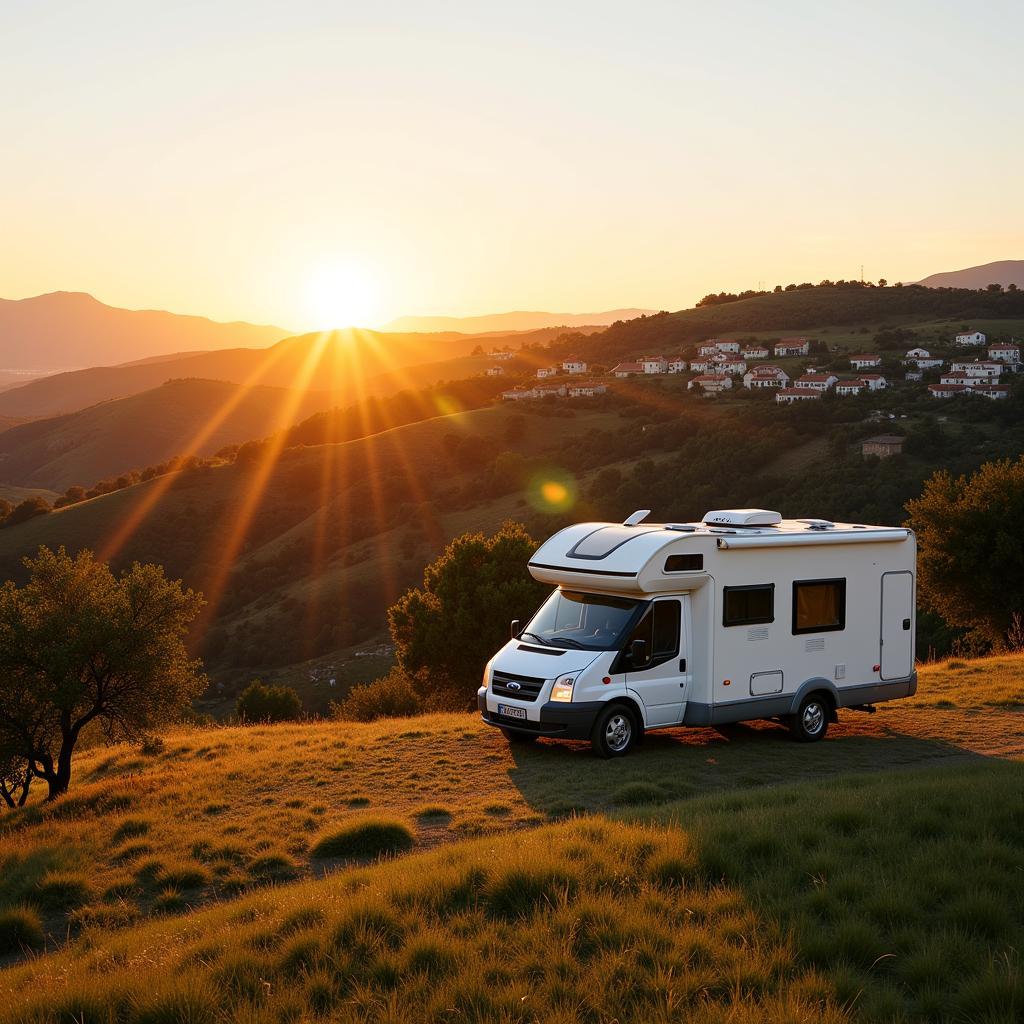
[742, 616]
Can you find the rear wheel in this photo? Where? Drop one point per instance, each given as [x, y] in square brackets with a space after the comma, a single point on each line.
[615, 732]
[519, 739]
[810, 723]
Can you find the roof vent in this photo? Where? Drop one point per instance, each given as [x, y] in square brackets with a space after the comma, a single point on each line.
[750, 517]
[817, 524]
[637, 517]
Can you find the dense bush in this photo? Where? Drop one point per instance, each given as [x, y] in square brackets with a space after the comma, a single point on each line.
[392, 696]
[261, 703]
[20, 928]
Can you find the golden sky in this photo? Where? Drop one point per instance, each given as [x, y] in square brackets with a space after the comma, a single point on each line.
[295, 163]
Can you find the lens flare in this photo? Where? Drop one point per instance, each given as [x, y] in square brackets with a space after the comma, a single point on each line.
[553, 491]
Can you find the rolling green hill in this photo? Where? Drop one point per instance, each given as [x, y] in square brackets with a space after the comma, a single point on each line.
[181, 417]
[709, 876]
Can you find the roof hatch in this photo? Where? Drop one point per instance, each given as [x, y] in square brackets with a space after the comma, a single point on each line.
[750, 517]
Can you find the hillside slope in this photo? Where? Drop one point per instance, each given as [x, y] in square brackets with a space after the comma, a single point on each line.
[1003, 272]
[182, 417]
[745, 877]
[347, 363]
[517, 321]
[65, 330]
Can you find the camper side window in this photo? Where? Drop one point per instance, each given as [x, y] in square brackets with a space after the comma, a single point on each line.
[819, 606]
[659, 629]
[747, 606]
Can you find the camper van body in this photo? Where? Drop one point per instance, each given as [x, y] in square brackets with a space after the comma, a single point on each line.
[742, 616]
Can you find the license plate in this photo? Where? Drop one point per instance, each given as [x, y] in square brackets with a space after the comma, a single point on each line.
[504, 709]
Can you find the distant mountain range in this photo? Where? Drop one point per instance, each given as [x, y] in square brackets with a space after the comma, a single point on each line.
[1004, 272]
[508, 322]
[68, 330]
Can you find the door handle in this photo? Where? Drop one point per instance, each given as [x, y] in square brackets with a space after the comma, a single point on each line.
[906, 624]
[682, 664]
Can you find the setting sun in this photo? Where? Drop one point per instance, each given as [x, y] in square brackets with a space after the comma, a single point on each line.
[342, 295]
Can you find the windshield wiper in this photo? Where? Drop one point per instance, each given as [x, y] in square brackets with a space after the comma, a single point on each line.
[539, 639]
[575, 643]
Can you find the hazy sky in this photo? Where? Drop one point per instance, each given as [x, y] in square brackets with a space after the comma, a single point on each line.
[222, 157]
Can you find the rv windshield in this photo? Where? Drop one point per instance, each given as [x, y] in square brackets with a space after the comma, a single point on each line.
[593, 622]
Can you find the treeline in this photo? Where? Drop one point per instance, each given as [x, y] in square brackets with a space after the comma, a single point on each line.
[792, 308]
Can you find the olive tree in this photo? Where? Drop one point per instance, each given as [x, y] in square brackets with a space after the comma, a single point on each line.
[970, 548]
[445, 630]
[79, 645]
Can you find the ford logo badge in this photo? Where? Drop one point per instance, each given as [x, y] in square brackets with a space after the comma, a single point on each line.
[514, 685]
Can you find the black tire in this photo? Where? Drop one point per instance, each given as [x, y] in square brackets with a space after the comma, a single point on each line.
[519, 739]
[810, 723]
[615, 732]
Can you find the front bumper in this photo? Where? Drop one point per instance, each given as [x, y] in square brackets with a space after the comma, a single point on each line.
[566, 721]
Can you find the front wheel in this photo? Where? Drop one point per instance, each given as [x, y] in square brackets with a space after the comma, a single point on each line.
[810, 723]
[615, 732]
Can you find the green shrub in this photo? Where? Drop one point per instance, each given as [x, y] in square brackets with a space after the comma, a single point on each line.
[20, 928]
[371, 837]
[61, 890]
[392, 696]
[261, 703]
[631, 794]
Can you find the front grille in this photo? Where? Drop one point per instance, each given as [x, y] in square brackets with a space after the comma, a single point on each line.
[527, 688]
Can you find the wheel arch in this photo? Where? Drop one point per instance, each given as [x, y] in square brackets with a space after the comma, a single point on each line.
[816, 684]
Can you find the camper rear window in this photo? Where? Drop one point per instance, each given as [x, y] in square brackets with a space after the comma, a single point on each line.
[819, 606]
[746, 606]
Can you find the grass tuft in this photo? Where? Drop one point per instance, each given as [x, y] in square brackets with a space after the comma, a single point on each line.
[369, 838]
[20, 928]
[635, 794]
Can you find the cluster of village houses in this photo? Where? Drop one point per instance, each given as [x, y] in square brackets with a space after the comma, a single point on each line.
[720, 364]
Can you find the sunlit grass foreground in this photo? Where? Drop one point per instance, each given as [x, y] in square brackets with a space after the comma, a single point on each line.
[866, 897]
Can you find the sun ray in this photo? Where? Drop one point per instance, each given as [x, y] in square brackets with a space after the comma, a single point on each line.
[148, 502]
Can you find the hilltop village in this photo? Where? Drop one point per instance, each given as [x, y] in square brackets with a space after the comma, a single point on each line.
[718, 366]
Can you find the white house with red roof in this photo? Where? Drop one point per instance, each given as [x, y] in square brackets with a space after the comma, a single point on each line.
[1007, 352]
[654, 364]
[792, 347]
[960, 377]
[727, 364]
[816, 381]
[627, 369]
[756, 352]
[711, 382]
[989, 369]
[865, 361]
[765, 376]
[874, 381]
[786, 396]
[947, 390]
[574, 365]
[970, 339]
[731, 348]
[546, 371]
[677, 364]
[850, 387]
[993, 391]
[708, 348]
[921, 358]
[495, 371]
[587, 389]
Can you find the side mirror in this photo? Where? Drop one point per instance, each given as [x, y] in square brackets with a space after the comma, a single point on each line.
[515, 628]
[638, 653]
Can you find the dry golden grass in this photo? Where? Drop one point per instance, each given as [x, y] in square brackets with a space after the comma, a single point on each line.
[221, 811]
[128, 860]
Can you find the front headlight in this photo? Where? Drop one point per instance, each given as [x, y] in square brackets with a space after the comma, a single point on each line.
[562, 690]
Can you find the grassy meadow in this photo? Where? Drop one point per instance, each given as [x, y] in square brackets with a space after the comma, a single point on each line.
[232, 873]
